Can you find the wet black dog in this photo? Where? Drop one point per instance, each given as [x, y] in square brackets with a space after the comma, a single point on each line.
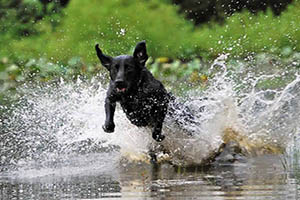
[142, 97]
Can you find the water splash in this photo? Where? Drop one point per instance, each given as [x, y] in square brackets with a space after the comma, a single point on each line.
[51, 124]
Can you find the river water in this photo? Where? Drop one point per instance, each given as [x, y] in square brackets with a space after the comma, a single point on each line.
[259, 178]
[53, 147]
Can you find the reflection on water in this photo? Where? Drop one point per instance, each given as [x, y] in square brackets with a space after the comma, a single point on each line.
[75, 187]
[257, 178]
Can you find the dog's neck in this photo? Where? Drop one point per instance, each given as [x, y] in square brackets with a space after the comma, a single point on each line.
[141, 78]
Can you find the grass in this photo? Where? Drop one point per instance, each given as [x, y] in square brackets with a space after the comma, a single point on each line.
[118, 25]
[245, 33]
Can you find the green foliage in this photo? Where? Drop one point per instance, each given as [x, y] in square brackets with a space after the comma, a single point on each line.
[41, 70]
[192, 74]
[18, 18]
[118, 25]
[17, 21]
[195, 71]
[245, 33]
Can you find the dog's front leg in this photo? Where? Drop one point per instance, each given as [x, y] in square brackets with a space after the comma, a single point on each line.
[156, 134]
[110, 107]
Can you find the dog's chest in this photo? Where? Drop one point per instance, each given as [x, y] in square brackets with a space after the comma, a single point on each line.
[138, 108]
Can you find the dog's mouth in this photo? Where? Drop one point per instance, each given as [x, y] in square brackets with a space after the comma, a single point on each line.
[121, 90]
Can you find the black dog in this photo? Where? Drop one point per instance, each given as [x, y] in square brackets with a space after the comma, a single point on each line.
[142, 97]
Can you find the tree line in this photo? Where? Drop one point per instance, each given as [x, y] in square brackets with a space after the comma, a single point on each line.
[202, 11]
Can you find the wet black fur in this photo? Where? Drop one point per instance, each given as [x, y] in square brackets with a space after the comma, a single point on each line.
[143, 98]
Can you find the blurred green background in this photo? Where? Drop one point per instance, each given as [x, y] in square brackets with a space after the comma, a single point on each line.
[45, 39]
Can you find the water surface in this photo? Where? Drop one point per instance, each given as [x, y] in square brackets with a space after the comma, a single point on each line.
[258, 178]
[53, 147]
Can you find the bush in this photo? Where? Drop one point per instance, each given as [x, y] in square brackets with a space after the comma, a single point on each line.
[17, 17]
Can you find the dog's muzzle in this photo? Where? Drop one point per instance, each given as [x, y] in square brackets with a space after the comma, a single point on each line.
[120, 86]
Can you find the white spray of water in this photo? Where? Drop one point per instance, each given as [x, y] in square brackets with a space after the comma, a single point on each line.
[53, 123]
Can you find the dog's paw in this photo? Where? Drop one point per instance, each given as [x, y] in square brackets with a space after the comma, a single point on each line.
[108, 128]
[153, 157]
[158, 137]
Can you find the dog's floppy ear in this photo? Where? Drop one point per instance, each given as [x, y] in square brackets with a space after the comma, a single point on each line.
[105, 60]
[140, 53]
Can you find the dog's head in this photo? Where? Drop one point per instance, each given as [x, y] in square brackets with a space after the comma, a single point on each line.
[125, 70]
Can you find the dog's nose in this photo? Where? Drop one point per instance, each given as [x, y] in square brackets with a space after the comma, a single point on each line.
[120, 83]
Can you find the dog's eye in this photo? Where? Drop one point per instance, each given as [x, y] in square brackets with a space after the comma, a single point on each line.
[130, 69]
